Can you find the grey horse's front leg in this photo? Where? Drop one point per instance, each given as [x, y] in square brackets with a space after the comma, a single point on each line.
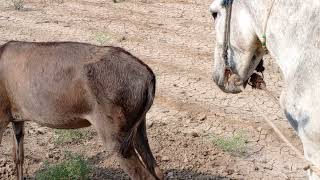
[18, 152]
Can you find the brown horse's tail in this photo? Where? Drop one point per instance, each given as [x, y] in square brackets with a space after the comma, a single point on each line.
[137, 137]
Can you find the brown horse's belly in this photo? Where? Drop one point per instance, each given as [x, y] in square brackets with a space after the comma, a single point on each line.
[72, 123]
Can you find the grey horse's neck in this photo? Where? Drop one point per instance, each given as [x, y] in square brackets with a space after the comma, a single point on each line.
[293, 31]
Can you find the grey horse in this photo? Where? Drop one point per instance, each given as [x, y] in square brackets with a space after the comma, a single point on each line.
[293, 40]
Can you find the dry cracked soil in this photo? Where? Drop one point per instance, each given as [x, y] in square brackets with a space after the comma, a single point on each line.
[176, 39]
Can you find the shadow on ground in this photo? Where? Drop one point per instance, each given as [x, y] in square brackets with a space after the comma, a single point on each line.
[172, 174]
[99, 173]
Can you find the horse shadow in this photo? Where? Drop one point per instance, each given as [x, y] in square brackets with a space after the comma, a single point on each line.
[171, 174]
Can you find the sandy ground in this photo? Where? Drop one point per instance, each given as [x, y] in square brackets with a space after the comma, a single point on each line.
[176, 39]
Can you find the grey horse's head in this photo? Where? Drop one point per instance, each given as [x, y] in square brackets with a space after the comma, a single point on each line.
[245, 50]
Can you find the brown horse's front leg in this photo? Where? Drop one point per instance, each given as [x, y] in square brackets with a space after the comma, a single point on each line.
[18, 153]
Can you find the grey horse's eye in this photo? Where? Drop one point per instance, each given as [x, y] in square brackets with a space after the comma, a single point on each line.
[214, 15]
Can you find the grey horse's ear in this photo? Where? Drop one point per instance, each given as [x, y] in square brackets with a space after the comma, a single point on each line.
[226, 3]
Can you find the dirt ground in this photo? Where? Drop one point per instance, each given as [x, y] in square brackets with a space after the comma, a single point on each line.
[176, 39]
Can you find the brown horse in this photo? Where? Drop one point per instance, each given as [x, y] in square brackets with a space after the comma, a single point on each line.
[71, 85]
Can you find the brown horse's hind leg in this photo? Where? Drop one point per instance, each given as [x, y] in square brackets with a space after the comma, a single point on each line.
[133, 166]
[18, 153]
[110, 131]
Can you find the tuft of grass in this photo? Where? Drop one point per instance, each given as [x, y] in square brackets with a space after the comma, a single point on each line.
[75, 167]
[102, 38]
[18, 4]
[236, 144]
[62, 136]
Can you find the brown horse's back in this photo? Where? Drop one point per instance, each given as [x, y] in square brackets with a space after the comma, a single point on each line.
[57, 84]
